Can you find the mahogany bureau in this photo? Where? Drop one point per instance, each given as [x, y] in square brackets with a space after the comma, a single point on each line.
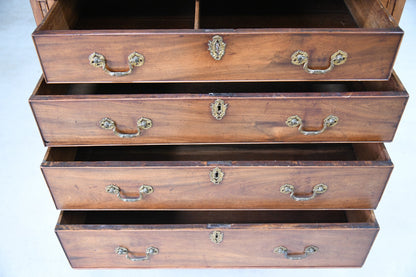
[196, 133]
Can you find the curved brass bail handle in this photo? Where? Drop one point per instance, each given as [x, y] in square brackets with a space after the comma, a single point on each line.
[301, 57]
[309, 250]
[289, 189]
[296, 121]
[150, 251]
[134, 60]
[144, 189]
[142, 124]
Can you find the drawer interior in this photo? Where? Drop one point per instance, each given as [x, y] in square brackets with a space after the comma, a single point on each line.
[213, 217]
[216, 14]
[224, 89]
[238, 153]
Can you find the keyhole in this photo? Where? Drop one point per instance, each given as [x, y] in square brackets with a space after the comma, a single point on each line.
[216, 175]
[219, 108]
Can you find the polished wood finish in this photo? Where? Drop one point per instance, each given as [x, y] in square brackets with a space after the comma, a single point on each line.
[256, 112]
[355, 175]
[343, 238]
[257, 46]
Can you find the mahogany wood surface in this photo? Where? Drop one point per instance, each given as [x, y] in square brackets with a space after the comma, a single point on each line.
[394, 7]
[253, 174]
[341, 241]
[175, 52]
[257, 112]
[40, 8]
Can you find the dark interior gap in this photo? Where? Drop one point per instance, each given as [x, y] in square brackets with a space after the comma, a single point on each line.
[201, 217]
[218, 88]
[214, 14]
[273, 152]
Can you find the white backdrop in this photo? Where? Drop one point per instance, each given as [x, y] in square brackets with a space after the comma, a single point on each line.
[28, 245]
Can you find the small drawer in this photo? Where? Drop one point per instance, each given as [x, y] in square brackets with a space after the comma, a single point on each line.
[216, 40]
[134, 114]
[217, 239]
[312, 176]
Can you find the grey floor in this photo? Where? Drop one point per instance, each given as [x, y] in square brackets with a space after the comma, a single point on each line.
[28, 245]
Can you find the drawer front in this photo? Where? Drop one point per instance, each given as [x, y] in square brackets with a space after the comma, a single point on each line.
[206, 47]
[217, 118]
[219, 185]
[185, 56]
[232, 245]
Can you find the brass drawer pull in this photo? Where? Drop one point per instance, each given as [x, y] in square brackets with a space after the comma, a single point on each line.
[309, 250]
[301, 57]
[150, 251]
[318, 189]
[144, 189]
[296, 121]
[216, 47]
[134, 60]
[142, 124]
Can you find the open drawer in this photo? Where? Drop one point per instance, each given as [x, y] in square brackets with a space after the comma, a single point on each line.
[312, 176]
[191, 40]
[217, 239]
[274, 112]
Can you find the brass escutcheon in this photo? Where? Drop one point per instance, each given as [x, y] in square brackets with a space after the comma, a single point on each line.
[216, 237]
[218, 109]
[216, 175]
[216, 47]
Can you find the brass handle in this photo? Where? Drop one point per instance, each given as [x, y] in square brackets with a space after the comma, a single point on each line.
[309, 250]
[216, 47]
[142, 124]
[301, 57]
[318, 189]
[150, 251]
[144, 189]
[134, 60]
[296, 121]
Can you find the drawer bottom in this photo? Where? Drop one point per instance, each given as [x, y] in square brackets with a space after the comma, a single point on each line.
[196, 239]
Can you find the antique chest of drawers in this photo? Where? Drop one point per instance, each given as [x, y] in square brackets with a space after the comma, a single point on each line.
[179, 131]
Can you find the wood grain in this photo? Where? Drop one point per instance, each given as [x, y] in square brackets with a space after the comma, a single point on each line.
[343, 244]
[355, 175]
[256, 113]
[40, 8]
[394, 7]
[181, 55]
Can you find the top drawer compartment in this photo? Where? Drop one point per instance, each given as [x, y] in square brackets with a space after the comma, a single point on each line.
[187, 40]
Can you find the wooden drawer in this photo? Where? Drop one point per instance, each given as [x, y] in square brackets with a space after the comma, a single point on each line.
[193, 239]
[218, 177]
[261, 39]
[183, 113]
